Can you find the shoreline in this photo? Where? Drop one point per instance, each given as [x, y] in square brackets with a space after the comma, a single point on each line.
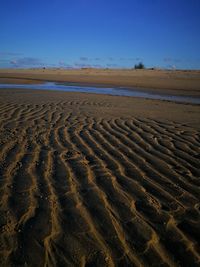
[186, 83]
[119, 92]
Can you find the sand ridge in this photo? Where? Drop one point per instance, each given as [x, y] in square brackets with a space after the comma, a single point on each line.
[89, 180]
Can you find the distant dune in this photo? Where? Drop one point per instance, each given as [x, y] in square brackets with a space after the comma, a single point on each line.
[173, 82]
[93, 180]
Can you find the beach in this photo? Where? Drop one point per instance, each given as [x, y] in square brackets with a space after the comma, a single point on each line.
[177, 82]
[99, 180]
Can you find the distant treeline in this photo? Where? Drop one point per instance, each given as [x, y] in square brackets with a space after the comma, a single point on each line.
[139, 66]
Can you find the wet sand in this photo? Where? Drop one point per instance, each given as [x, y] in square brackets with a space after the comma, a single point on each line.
[93, 180]
[176, 82]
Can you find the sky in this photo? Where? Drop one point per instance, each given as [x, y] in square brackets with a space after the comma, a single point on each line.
[100, 33]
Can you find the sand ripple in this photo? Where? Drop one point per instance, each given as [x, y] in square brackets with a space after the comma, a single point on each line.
[79, 190]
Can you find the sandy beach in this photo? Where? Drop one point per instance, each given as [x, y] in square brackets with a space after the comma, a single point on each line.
[98, 180]
[100, 133]
[177, 82]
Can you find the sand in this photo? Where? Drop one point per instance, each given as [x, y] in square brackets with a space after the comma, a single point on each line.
[93, 180]
[171, 82]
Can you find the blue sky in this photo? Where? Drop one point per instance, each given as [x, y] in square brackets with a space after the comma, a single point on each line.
[100, 33]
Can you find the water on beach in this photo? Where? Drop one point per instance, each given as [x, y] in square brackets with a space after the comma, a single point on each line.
[102, 90]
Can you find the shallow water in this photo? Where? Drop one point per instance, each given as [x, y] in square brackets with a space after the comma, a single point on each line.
[102, 90]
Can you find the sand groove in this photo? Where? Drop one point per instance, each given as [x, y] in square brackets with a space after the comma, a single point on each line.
[83, 190]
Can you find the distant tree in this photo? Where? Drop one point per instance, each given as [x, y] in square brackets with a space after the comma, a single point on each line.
[139, 66]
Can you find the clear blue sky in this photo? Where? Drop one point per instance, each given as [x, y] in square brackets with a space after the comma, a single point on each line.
[107, 33]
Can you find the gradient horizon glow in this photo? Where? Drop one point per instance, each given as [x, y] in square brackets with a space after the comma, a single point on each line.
[100, 33]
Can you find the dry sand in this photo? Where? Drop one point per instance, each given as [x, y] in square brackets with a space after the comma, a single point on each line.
[172, 82]
[93, 180]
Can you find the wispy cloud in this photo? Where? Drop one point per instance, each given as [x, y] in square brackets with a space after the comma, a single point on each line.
[84, 58]
[63, 64]
[112, 65]
[81, 65]
[27, 62]
[13, 62]
[97, 66]
[130, 59]
[171, 66]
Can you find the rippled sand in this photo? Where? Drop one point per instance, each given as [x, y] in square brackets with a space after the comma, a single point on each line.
[90, 180]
